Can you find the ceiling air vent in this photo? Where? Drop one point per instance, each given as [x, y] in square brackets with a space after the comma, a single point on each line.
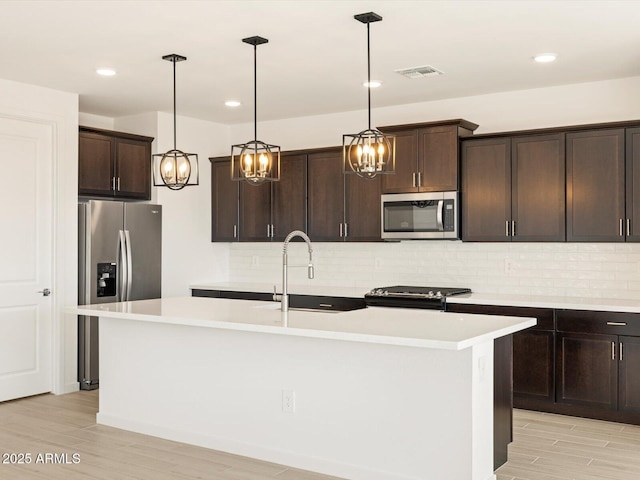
[419, 72]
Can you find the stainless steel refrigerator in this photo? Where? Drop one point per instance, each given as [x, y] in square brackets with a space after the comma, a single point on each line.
[119, 259]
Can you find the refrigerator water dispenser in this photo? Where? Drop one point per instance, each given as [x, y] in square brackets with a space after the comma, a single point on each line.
[106, 280]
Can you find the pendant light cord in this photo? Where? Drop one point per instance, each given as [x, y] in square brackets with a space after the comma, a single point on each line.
[255, 93]
[369, 73]
[174, 104]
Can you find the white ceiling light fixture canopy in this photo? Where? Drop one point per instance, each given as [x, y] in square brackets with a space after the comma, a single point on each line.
[255, 162]
[175, 169]
[370, 152]
[232, 103]
[106, 72]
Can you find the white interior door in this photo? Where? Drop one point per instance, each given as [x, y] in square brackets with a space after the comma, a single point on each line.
[26, 246]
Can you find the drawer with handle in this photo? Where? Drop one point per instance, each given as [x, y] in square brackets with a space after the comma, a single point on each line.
[606, 323]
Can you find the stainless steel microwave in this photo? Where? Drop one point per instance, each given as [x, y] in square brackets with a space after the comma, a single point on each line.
[415, 216]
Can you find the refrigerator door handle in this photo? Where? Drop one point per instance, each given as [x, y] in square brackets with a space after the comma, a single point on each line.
[122, 261]
[129, 264]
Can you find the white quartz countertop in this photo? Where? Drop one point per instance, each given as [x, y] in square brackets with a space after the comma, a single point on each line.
[569, 303]
[387, 326]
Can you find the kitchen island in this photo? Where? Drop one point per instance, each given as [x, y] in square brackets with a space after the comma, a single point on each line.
[375, 394]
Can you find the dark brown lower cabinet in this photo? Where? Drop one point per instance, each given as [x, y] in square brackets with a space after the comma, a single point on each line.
[629, 379]
[587, 370]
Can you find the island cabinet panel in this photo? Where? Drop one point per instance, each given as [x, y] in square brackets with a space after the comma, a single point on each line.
[427, 157]
[633, 184]
[289, 197]
[596, 186]
[114, 164]
[486, 190]
[513, 189]
[255, 212]
[325, 184]
[224, 202]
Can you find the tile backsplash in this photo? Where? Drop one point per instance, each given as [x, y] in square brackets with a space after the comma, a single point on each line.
[596, 270]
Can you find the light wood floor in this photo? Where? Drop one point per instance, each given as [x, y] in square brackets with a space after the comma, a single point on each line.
[545, 447]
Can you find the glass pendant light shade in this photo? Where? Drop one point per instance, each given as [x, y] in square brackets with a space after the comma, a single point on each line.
[255, 162]
[369, 153]
[175, 169]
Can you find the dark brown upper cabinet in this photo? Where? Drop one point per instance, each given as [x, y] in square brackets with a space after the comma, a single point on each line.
[632, 227]
[513, 189]
[289, 197]
[325, 184]
[114, 164]
[224, 202]
[362, 208]
[255, 212]
[596, 186]
[427, 156]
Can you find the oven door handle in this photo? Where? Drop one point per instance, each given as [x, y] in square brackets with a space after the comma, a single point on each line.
[439, 215]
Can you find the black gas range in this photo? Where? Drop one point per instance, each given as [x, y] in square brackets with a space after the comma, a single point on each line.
[434, 298]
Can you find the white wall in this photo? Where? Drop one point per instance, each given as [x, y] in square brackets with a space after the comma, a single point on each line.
[558, 268]
[59, 109]
[188, 255]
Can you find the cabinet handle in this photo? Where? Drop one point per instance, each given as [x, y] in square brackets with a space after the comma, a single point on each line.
[617, 324]
[268, 231]
[613, 350]
[621, 228]
[235, 231]
[419, 179]
[113, 183]
[272, 229]
[118, 183]
[341, 230]
[513, 228]
[628, 227]
[346, 229]
[506, 228]
[413, 179]
[620, 351]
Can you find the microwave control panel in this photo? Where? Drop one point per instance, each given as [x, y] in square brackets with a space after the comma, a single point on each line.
[448, 216]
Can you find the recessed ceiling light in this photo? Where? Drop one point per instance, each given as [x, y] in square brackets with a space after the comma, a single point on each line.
[106, 72]
[545, 57]
[372, 84]
[232, 103]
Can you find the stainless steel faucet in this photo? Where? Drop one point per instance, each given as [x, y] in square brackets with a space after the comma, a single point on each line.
[284, 298]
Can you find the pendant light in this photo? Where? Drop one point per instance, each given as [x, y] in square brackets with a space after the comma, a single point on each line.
[370, 152]
[255, 161]
[175, 169]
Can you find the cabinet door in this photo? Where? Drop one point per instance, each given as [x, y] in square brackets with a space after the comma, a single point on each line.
[486, 190]
[533, 365]
[629, 366]
[325, 184]
[255, 212]
[362, 208]
[538, 188]
[587, 370]
[403, 181]
[595, 186]
[633, 184]
[224, 203]
[289, 201]
[438, 158]
[95, 165]
[133, 169]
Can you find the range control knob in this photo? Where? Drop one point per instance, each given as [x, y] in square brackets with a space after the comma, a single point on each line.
[439, 294]
[430, 294]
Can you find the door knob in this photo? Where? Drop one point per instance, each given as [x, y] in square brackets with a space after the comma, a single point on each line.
[45, 293]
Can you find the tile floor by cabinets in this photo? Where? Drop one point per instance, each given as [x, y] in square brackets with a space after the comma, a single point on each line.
[545, 447]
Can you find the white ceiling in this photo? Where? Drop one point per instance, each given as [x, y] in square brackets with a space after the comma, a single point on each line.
[315, 61]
